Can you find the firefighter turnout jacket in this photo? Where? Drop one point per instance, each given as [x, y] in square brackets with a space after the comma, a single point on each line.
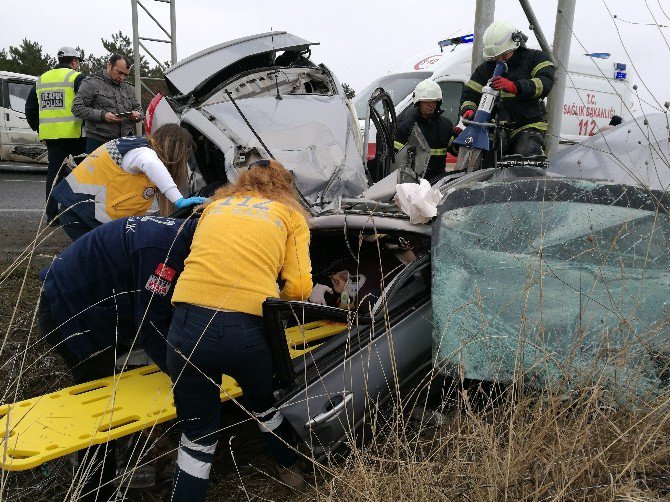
[115, 283]
[98, 190]
[438, 132]
[533, 74]
[55, 91]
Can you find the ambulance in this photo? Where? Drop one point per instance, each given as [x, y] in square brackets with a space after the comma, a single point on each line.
[596, 88]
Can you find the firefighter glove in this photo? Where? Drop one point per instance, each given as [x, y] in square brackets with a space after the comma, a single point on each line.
[503, 84]
[190, 201]
[468, 114]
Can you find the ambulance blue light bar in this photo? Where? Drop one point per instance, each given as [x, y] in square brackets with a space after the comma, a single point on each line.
[599, 55]
[464, 39]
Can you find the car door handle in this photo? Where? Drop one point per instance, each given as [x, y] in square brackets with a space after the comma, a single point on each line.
[328, 415]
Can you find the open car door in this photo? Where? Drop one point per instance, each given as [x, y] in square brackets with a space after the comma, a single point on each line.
[330, 384]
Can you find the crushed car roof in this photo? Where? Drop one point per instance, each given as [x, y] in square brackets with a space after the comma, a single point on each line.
[636, 152]
[194, 71]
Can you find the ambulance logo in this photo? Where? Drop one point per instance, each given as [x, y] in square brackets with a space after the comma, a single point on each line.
[148, 193]
[426, 62]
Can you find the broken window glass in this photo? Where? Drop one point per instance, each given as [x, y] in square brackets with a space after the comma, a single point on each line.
[555, 281]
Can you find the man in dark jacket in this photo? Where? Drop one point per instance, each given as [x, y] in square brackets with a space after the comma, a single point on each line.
[51, 115]
[528, 80]
[107, 104]
[427, 115]
[109, 291]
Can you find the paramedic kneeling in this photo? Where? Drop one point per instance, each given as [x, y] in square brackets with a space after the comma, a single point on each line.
[121, 177]
[109, 291]
[251, 233]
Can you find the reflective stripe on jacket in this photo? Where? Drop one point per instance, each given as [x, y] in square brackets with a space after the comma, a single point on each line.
[55, 94]
[533, 74]
[100, 179]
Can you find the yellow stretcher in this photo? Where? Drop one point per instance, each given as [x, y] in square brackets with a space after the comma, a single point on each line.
[53, 425]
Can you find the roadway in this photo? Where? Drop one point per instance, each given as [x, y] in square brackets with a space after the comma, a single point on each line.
[22, 190]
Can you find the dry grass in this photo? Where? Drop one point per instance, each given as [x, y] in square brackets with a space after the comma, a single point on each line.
[500, 445]
[515, 448]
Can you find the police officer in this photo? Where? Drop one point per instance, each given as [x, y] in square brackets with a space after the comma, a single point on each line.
[49, 109]
[112, 289]
[427, 115]
[528, 80]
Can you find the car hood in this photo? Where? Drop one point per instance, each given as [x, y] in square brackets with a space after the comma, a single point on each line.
[194, 72]
[312, 136]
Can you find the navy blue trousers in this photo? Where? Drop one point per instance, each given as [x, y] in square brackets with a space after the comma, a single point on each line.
[57, 150]
[203, 345]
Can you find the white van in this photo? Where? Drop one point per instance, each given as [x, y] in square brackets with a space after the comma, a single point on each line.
[592, 95]
[18, 142]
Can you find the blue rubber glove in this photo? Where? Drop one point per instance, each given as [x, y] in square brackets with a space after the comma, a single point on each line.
[190, 201]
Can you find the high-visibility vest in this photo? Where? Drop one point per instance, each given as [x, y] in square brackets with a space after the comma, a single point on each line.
[55, 93]
[116, 193]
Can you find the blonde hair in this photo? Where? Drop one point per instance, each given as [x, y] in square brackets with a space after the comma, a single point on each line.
[173, 145]
[268, 179]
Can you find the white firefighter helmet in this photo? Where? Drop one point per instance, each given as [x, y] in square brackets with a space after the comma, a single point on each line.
[68, 52]
[500, 37]
[426, 90]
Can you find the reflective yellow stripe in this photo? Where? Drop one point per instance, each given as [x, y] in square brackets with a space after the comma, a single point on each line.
[506, 95]
[538, 87]
[468, 104]
[398, 145]
[475, 86]
[540, 126]
[438, 151]
[539, 66]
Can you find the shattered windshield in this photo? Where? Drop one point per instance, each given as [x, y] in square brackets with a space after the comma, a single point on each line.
[557, 281]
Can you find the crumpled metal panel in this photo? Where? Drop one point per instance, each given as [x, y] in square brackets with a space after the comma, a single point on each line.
[310, 135]
[556, 282]
[191, 72]
[632, 153]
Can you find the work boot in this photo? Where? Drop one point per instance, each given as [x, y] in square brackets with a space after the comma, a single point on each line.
[291, 476]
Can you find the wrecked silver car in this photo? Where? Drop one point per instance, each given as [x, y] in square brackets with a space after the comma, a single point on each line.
[260, 97]
[559, 280]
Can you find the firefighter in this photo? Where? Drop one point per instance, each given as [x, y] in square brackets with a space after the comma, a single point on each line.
[528, 80]
[121, 177]
[49, 111]
[111, 290]
[252, 232]
[427, 115]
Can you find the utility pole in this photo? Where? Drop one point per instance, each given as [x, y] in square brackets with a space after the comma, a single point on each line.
[565, 16]
[138, 42]
[484, 13]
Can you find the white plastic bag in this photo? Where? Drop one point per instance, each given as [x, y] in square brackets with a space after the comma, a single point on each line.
[418, 200]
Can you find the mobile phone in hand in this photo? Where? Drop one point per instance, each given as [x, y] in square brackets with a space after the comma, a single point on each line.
[124, 115]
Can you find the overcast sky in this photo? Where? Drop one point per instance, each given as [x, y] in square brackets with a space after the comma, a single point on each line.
[360, 40]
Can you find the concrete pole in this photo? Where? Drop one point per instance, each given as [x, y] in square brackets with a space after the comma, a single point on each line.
[484, 13]
[173, 32]
[565, 16]
[136, 62]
